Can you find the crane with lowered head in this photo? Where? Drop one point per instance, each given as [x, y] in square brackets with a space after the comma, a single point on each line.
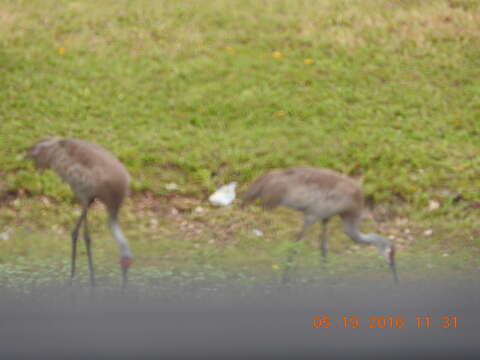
[92, 173]
[319, 194]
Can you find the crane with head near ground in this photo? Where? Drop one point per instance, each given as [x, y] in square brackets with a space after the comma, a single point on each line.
[92, 173]
[319, 194]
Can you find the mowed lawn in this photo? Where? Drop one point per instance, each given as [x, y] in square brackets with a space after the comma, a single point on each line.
[200, 93]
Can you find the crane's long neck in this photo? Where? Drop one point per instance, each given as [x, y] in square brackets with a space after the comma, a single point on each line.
[351, 229]
[120, 238]
[384, 246]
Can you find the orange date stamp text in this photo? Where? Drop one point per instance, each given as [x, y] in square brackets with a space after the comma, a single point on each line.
[384, 322]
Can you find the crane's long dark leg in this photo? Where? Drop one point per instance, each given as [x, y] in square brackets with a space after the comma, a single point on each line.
[323, 238]
[74, 241]
[292, 252]
[88, 245]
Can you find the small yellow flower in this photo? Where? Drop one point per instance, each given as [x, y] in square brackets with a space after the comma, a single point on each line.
[280, 113]
[230, 50]
[275, 267]
[277, 54]
[62, 50]
[308, 61]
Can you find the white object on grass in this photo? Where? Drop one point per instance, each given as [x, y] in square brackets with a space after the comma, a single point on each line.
[257, 232]
[224, 195]
[171, 186]
[428, 232]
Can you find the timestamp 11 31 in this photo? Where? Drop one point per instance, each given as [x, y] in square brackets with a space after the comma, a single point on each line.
[446, 322]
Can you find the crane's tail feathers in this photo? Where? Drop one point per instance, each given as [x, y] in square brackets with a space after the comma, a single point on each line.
[254, 191]
[267, 188]
[249, 196]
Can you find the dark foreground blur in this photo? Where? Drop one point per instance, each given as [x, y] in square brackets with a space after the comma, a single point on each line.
[70, 323]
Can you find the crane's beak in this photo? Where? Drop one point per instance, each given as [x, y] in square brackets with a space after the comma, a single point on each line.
[392, 264]
[125, 264]
[124, 277]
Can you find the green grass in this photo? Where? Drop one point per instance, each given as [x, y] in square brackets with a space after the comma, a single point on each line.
[201, 93]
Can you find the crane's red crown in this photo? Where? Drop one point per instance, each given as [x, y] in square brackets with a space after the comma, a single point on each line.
[392, 253]
[126, 262]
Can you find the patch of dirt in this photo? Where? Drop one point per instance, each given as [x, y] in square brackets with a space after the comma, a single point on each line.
[180, 209]
[194, 217]
[164, 205]
[7, 17]
[9, 196]
[191, 216]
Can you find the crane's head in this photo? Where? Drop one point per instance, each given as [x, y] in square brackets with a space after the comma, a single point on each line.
[390, 256]
[125, 263]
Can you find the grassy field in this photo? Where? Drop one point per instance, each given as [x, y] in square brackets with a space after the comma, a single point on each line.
[202, 93]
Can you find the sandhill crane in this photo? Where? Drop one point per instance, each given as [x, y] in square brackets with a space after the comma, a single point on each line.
[92, 173]
[320, 194]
